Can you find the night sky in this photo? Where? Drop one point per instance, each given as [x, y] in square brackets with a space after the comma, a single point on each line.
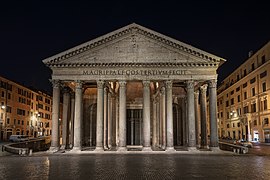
[34, 30]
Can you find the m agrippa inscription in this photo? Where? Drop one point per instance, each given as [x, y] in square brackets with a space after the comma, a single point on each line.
[134, 72]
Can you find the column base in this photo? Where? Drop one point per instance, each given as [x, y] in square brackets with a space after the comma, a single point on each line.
[99, 149]
[53, 149]
[192, 149]
[146, 149]
[170, 149]
[204, 147]
[215, 149]
[76, 149]
[63, 147]
[121, 149]
[163, 147]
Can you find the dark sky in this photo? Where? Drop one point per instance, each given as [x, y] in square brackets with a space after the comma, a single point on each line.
[34, 30]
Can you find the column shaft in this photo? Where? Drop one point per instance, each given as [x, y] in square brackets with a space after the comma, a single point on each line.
[78, 117]
[55, 116]
[100, 117]
[154, 138]
[146, 115]
[71, 124]
[105, 136]
[163, 108]
[203, 116]
[213, 113]
[66, 99]
[122, 116]
[191, 115]
[110, 123]
[169, 109]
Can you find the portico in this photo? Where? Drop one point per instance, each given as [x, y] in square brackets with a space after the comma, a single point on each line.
[133, 87]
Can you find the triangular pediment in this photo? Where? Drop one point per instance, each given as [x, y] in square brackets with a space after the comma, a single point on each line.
[133, 44]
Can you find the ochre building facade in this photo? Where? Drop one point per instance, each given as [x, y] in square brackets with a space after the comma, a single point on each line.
[24, 111]
[134, 87]
[243, 99]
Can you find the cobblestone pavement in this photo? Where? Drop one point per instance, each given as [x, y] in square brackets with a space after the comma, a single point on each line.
[134, 166]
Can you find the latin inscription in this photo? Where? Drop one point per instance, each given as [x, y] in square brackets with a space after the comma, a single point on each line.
[134, 72]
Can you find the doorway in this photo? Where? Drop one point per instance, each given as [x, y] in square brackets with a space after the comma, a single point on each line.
[134, 126]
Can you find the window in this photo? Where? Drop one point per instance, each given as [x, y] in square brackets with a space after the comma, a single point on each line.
[245, 109]
[228, 125]
[264, 86]
[265, 121]
[253, 91]
[263, 59]
[228, 115]
[245, 95]
[232, 101]
[8, 109]
[265, 104]
[7, 120]
[239, 111]
[253, 80]
[245, 72]
[227, 103]
[221, 114]
[253, 107]
[263, 74]
[252, 67]
[14, 121]
[238, 89]
[19, 122]
[255, 122]
[244, 85]
[22, 122]
[238, 98]
[238, 124]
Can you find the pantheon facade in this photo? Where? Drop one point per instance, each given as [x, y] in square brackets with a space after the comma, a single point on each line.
[134, 88]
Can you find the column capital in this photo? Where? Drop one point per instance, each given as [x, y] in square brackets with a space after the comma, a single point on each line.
[162, 90]
[212, 83]
[56, 83]
[78, 84]
[203, 89]
[100, 84]
[190, 84]
[168, 84]
[196, 94]
[122, 83]
[146, 83]
[66, 89]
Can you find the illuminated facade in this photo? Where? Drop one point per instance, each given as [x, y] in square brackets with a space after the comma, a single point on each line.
[24, 111]
[243, 99]
[133, 87]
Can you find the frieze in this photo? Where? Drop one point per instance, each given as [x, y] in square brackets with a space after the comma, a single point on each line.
[133, 72]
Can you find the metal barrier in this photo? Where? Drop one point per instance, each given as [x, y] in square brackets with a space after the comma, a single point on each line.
[234, 148]
[27, 147]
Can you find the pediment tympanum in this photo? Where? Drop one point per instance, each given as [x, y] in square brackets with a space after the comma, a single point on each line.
[132, 44]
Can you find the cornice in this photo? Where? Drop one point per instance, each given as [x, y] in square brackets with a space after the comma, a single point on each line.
[133, 28]
[71, 65]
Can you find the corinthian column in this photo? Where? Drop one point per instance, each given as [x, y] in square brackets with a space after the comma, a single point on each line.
[100, 117]
[66, 99]
[191, 116]
[169, 146]
[163, 117]
[146, 116]
[213, 114]
[203, 116]
[78, 117]
[122, 117]
[55, 116]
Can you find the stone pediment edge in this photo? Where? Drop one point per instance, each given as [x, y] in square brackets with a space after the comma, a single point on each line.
[129, 29]
[143, 65]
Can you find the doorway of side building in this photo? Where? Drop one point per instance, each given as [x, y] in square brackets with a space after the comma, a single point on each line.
[255, 136]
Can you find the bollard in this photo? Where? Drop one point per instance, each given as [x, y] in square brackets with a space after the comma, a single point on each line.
[234, 150]
[30, 152]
